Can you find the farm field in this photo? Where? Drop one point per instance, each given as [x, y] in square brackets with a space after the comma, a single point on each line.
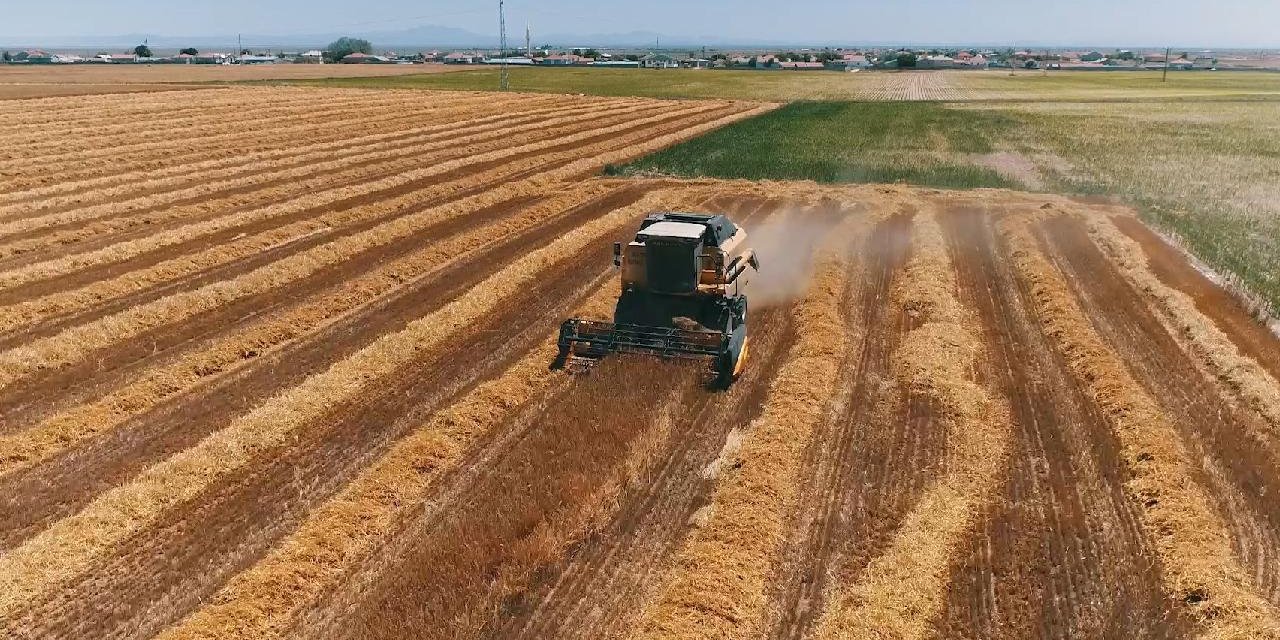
[24, 90]
[42, 81]
[287, 376]
[1196, 156]
[951, 86]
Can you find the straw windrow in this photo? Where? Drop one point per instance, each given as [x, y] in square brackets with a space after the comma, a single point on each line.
[70, 546]
[718, 585]
[1197, 565]
[265, 601]
[1243, 375]
[26, 448]
[901, 593]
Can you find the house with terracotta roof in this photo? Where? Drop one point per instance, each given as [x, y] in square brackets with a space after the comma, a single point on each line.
[850, 62]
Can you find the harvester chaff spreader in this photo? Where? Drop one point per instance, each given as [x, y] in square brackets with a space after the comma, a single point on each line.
[683, 296]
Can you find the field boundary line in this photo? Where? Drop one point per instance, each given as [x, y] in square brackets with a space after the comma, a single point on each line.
[1197, 565]
[1245, 378]
[717, 587]
[903, 590]
[68, 547]
[63, 430]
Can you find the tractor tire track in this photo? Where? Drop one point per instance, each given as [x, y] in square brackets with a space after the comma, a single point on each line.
[593, 589]
[62, 485]
[1252, 338]
[149, 342]
[837, 511]
[1238, 463]
[1063, 553]
[171, 260]
[160, 571]
[27, 242]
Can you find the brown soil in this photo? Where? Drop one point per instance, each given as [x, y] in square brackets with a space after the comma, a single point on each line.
[1252, 338]
[170, 446]
[1062, 554]
[861, 477]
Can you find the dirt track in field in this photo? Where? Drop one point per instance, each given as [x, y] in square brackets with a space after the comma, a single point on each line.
[308, 397]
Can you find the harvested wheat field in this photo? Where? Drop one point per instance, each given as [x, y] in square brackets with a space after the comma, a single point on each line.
[287, 376]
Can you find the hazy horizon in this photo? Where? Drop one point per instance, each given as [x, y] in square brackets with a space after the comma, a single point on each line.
[1242, 24]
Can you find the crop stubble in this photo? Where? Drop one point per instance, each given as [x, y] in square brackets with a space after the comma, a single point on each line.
[988, 414]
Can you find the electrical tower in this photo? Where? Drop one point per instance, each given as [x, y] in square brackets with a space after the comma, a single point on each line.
[503, 82]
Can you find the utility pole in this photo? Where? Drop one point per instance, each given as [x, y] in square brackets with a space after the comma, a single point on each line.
[1164, 77]
[503, 81]
[239, 48]
[528, 41]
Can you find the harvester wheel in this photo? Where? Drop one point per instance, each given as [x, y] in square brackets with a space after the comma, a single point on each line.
[730, 366]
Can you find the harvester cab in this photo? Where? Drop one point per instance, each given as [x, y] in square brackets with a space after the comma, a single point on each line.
[683, 296]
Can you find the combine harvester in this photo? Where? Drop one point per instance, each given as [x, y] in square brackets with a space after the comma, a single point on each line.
[682, 297]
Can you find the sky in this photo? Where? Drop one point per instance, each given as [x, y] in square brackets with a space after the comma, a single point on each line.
[1177, 23]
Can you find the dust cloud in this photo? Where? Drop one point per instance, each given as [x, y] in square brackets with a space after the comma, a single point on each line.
[785, 246]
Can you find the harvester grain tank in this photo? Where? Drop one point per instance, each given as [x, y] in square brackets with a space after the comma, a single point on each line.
[683, 296]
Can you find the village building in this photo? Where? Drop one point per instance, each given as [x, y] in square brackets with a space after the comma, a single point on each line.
[658, 61]
[797, 66]
[935, 62]
[364, 58]
[566, 60]
[459, 57]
